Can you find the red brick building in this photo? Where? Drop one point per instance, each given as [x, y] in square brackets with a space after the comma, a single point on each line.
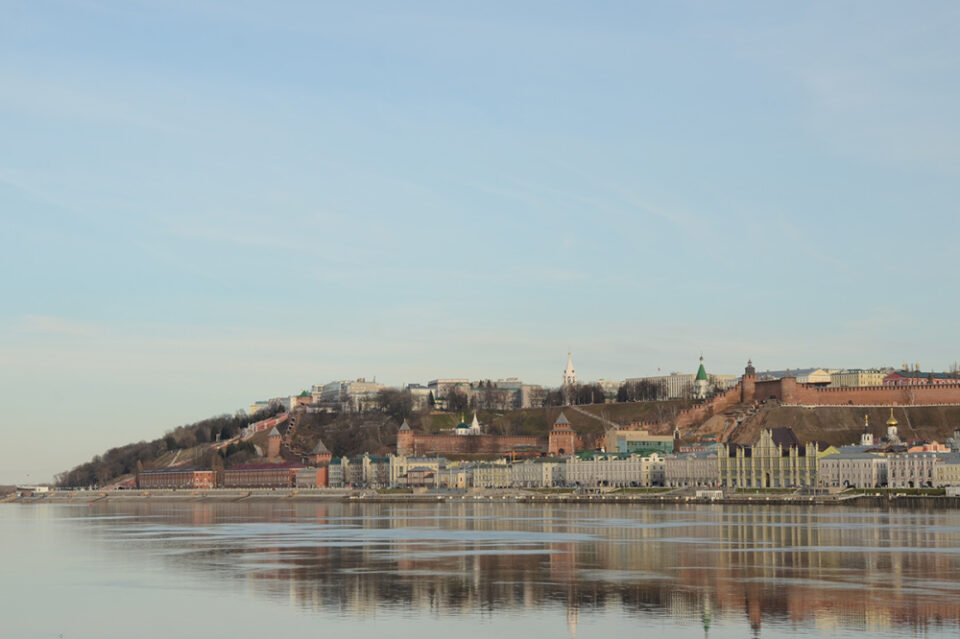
[174, 477]
[411, 443]
[262, 476]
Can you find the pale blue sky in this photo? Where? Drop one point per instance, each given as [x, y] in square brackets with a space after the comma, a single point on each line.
[205, 204]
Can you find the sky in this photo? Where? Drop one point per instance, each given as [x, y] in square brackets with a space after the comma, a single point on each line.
[205, 204]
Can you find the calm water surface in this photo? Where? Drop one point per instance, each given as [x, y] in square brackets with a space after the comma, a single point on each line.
[475, 570]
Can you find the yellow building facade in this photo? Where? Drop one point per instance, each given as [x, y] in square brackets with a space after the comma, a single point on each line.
[777, 460]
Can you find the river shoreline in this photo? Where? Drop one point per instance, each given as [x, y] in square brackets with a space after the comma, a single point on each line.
[355, 496]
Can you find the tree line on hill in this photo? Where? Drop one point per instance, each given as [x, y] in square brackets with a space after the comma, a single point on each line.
[127, 459]
[400, 404]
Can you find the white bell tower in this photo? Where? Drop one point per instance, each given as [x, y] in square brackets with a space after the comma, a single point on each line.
[569, 375]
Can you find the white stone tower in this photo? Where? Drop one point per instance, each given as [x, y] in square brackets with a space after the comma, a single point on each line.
[569, 375]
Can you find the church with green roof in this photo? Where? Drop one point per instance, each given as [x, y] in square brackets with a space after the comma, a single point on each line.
[701, 383]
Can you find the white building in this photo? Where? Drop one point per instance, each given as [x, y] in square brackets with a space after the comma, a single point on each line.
[401, 464]
[495, 474]
[858, 378]
[674, 385]
[603, 469]
[350, 394]
[442, 387]
[852, 467]
[539, 472]
[699, 469]
[912, 470]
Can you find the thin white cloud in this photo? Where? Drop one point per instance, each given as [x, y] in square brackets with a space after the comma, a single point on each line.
[50, 325]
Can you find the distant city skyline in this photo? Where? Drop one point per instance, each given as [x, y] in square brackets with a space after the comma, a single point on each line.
[206, 204]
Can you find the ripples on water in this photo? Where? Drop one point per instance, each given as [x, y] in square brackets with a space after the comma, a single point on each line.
[477, 569]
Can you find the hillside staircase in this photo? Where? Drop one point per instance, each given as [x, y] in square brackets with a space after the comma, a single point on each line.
[603, 420]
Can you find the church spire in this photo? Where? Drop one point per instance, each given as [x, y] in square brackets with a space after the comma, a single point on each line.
[569, 374]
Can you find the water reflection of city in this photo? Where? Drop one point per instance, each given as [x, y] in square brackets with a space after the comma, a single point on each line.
[850, 569]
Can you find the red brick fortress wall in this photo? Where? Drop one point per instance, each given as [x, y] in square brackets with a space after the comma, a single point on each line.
[871, 395]
[788, 391]
[471, 444]
[699, 414]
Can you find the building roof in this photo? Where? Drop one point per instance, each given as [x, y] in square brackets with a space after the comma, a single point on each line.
[174, 469]
[320, 449]
[274, 432]
[405, 425]
[795, 372]
[784, 437]
[921, 374]
[893, 420]
[701, 373]
[562, 420]
[845, 455]
[284, 465]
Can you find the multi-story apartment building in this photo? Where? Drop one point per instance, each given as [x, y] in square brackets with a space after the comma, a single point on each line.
[947, 472]
[355, 395]
[537, 472]
[442, 387]
[919, 470]
[420, 395]
[674, 385]
[335, 477]
[853, 469]
[177, 477]
[614, 469]
[619, 440]
[919, 378]
[857, 377]
[699, 468]
[494, 474]
[400, 465]
[363, 471]
[817, 376]
[283, 475]
[459, 477]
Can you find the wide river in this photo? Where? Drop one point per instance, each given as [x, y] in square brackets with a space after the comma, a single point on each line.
[463, 570]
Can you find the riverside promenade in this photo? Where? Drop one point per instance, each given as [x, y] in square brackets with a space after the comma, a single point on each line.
[292, 495]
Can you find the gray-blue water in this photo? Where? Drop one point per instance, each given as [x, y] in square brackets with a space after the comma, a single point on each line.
[474, 570]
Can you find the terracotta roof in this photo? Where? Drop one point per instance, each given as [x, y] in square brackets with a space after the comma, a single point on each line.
[282, 466]
[173, 469]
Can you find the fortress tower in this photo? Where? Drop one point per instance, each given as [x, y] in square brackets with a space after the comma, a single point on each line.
[320, 455]
[273, 443]
[405, 439]
[749, 387]
[563, 440]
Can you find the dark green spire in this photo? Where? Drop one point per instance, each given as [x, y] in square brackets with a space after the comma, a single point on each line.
[702, 373]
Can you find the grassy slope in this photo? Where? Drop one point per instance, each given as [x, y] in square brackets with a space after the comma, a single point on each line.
[842, 425]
